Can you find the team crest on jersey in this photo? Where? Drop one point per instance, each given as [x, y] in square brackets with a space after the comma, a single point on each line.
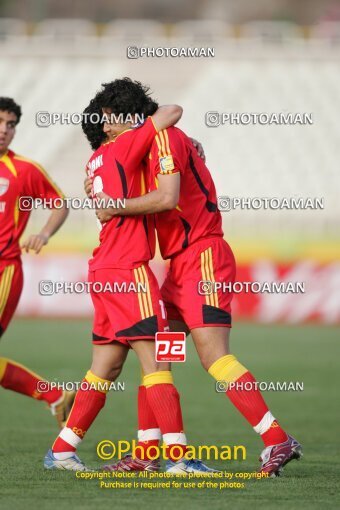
[166, 164]
[4, 184]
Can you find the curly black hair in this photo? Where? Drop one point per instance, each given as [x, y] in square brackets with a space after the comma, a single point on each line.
[92, 124]
[125, 96]
[7, 104]
[122, 96]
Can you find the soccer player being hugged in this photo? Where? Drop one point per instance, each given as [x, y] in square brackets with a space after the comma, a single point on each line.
[20, 177]
[128, 319]
[182, 197]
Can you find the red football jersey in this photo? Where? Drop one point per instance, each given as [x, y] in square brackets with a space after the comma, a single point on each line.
[19, 177]
[118, 170]
[196, 215]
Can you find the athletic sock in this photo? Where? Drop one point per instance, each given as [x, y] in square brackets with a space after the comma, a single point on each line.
[86, 407]
[164, 401]
[149, 433]
[18, 378]
[247, 398]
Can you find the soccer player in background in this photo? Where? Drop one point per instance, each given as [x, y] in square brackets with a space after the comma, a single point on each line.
[20, 177]
[183, 198]
[126, 320]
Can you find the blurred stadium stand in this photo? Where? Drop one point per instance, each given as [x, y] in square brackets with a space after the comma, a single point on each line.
[202, 31]
[128, 30]
[12, 27]
[328, 31]
[277, 32]
[57, 29]
[60, 67]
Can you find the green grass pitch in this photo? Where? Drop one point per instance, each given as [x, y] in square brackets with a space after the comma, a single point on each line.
[61, 350]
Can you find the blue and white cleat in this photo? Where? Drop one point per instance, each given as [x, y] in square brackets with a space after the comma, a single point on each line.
[72, 463]
[185, 466]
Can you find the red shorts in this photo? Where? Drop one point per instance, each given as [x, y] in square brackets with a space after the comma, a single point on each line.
[11, 282]
[133, 311]
[192, 291]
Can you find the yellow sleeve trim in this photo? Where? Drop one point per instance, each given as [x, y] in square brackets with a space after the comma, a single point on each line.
[162, 140]
[43, 171]
[153, 123]
[6, 160]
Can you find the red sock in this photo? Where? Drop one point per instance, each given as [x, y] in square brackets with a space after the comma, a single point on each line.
[274, 435]
[18, 378]
[165, 403]
[248, 400]
[87, 404]
[149, 433]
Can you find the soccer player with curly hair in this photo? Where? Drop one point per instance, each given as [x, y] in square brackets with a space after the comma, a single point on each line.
[189, 230]
[128, 320]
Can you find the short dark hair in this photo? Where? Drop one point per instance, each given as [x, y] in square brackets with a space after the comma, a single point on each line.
[92, 125]
[7, 104]
[125, 96]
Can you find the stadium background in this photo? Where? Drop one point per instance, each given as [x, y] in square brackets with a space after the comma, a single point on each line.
[272, 56]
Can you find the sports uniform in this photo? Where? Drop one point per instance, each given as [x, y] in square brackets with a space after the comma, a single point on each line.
[126, 245]
[191, 236]
[19, 177]
[22, 181]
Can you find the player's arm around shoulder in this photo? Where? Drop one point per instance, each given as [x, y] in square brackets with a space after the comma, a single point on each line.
[164, 198]
[167, 194]
[166, 116]
[168, 191]
[165, 166]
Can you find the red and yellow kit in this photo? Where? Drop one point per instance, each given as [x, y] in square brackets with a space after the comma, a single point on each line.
[191, 236]
[126, 244]
[19, 177]
[137, 313]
